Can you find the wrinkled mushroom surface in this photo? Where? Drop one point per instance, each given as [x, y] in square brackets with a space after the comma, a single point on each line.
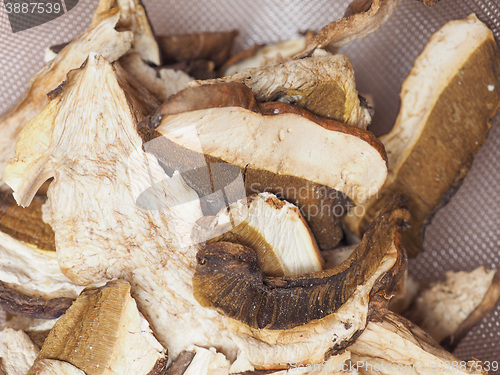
[447, 102]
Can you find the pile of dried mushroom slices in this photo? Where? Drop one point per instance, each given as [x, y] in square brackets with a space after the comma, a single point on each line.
[168, 208]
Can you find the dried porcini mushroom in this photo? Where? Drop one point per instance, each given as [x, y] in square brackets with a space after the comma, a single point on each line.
[396, 345]
[211, 46]
[270, 54]
[101, 37]
[12, 301]
[229, 280]
[55, 367]
[449, 309]
[446, 105]
[133, 17]
[26, 224]
[274, 229]
[17, 352]
[362, 18]
[189, 140]
[324, 85]
[103, 333]
[161, 82]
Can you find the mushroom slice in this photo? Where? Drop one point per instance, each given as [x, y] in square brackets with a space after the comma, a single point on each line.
[17, 352]
[361, 18]
[36, 329]
[395, 345]
[324, 85]
[321, 173]
[446, 105]
[449, 309]
[54, 367]
[101, 37]
[212, 46]
[162, 82]
[103, 332]
[275, 229]
[264, 55]
[133, 17]
[332, 303]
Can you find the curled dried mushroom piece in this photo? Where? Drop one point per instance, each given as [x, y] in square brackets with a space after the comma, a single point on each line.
[449, 309]
[324, 85]
[362, 17]
[275, 229]
[17, 352]
[229, 280]
[447, 102]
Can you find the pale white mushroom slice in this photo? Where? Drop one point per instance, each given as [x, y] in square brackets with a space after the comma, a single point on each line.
[117, 214]
[449, 309]
[17, 352]
[162, 82]
[102, 37]
[274, 228]
[103, 332]
[447, 102]
[55, 367]
[395, 346]
[325, 85]
[133, 17]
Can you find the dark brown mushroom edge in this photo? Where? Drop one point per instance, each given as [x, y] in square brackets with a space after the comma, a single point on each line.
[229, 280]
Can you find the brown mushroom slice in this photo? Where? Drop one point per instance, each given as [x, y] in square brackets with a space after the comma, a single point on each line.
[102, 231]
[264, 55]
[212, 46]
[229, 280]
[162, 82]
[319, 173]
[274, 228]
[55, 367]
[448, 309]
[133, 17]
[361, 19]
[324, 85]
[102, 37]
[104, 333]
[446, 105]
[395, 346]
[17, 352]
[26, 224]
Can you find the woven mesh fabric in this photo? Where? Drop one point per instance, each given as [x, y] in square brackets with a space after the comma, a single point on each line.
[462, 236]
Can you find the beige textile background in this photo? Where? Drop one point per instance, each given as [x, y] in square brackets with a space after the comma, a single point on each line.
[462, 236]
